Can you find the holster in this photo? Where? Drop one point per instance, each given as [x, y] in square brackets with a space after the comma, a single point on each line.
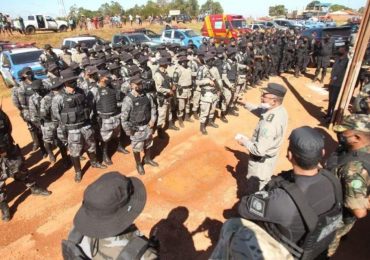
[256, 158]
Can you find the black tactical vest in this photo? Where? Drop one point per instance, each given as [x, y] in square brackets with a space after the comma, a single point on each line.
[141, 111]
[74, 110]
[320, 229]
[26, 95]
[45, 111]
[108, 100]
[232, 73]
[4, 128]
[167, 81]
[218, 63]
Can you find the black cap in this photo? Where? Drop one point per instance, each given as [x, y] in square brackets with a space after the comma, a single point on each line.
[163, 62]
[306, 142]
[275, 89]
[113, 66]
[136, 80]
[143, 59]
[134, 69]
[37, 85]
[47, 47]
[103, 73]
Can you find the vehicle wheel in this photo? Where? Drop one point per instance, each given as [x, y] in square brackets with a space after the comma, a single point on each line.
[30, 30]
[63, 28]
[5, 82]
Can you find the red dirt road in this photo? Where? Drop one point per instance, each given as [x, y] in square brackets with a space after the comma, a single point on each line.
[189, 195]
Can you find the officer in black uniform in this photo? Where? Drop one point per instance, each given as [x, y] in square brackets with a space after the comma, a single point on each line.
[12, 165]
[324, 51]
[301, 205]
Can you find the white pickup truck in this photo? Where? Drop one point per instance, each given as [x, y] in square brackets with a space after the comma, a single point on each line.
[38, 22]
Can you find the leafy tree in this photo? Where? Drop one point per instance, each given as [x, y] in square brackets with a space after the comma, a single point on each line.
[361, 10]
[334, 8]
[277, 10]
[211, 7]
[112, 8]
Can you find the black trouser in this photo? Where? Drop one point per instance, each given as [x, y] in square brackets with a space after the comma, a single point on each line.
[333, 96]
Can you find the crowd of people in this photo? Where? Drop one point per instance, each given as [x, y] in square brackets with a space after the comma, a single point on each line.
[94, 98]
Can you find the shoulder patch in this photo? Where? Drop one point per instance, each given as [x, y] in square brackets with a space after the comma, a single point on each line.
[257, 206]
[270, 117]
[356, 184]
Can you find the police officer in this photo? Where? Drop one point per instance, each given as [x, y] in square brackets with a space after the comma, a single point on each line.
[12, 165]
[90, 81]
[66, 56]
[72, 111]
[194, 65]
[79, 54]
[230, 77]
[268, 136]
[106, 108]
[324, 51]
[165, 94]
[138, 118]
[49, 57]
[103, 226]
[351, 164]
[21, 97]
[336, 79]
[300, 208]
[209, 93]
[182, 78]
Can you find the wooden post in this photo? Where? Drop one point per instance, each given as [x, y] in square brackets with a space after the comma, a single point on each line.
[353, 69]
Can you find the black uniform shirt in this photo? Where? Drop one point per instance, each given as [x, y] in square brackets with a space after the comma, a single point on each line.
[276, 206]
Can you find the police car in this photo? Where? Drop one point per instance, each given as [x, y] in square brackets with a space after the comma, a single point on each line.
[88, 40]
[181, 36]
[14, 60]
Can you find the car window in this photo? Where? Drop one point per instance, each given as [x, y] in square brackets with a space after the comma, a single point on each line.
[31, 18]
[138, 38]
[121, 39]
[26, 57]
[5, 60]
[67, 43]
[151, 34]
[178, 35]
[167, 34]
[49, 19]
[191, 33]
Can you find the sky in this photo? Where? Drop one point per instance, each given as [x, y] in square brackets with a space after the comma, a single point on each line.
[254, 8]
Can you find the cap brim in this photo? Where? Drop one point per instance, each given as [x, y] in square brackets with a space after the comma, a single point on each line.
[340, 128]
[69, 79]
[112, 225]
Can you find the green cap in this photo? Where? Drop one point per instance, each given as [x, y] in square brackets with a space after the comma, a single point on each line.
[359, 122]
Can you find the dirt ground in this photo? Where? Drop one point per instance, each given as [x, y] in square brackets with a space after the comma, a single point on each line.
[199, 181]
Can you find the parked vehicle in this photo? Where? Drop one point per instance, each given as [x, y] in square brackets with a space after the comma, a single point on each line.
[181, 37]
[133, 39]
[88, 40]
[148, 33]
[224, 26]
[14, 60]
[39, 22]
[257, 27]
[288, 24]
[271, 24]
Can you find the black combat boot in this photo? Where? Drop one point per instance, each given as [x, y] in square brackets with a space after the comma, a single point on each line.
[181, 122]
[77, 166]
[148, 158]
[5, 211]
[65, 157]
[121, 148]
[188, 118]
[35, 141]
[211, 123]
[139, 165]
[49, 152]
[94, 162]
[223, 117]
[106, 159]
[322, 77]
[36, 190]
[203, 129]
[172, 126]
[195, 115]
[232, 112]
[161, 134]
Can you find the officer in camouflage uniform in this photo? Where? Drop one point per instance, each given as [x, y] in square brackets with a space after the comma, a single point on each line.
[66, 56]
[165, 94]
[194, 65]
[352, 166]
[106, 230]
[230, 77]
[34, 110]
[268, 137]
[106, 109]
[79, 54]
[209, 93]
[49, 57]
[52, 132]
[138, 118]
[21, 97]
[72, 111]
[12, 166]
[182, 78]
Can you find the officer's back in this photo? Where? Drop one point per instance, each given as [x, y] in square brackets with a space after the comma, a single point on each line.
[292, 204]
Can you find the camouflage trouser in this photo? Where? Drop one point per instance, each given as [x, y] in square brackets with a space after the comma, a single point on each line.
[341, 231]
[142, 139]
[110, 128]
[164, 111]
[236, 93]
[196, 100]
[49, 132]
[226, 98]
[12, 167]
[80, 139]
[207, 111]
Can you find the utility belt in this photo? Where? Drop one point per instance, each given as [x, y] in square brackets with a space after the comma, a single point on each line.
[186, 87]
[256, 158]
[137, 126]
[203, 91]
[108, 115]
[75, 126]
